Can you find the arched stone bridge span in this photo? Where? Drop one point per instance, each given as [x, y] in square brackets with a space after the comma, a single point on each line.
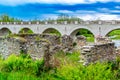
[96, 27]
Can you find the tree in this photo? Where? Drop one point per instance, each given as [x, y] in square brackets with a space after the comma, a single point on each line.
[7, 18]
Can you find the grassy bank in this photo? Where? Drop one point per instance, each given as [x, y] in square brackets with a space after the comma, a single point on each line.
[115, 34]
[24, 68]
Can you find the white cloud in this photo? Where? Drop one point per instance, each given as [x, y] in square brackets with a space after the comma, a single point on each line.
[76, 12]
[106, 10]
[117, 7]
[84, 12]
[99, 16]
[101, 0]
[93, 15]
[18, 2]
[47, 16]
[65, 11]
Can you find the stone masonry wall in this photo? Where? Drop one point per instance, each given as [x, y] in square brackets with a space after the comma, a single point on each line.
[16, 45]
[9, 46]
[36, 37]
[57, 43]
[36, 49]
[97, 52]
[67, 43]
[80, 41]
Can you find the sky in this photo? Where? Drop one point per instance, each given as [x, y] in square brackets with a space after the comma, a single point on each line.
[44, 9]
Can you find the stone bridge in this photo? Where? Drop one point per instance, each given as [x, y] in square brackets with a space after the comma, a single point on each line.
[96, 27]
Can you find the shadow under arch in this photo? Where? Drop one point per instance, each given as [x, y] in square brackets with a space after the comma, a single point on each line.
[25, 31]
[52, 31]
[85, 32]
[5, 31]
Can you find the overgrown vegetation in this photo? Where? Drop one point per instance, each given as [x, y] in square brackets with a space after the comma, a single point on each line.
[25, 31]
[115, 34]
[53, 32]
[7, 18]
[89, 36]
[24, 68]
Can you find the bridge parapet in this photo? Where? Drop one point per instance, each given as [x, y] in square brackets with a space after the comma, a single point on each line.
[111, 22]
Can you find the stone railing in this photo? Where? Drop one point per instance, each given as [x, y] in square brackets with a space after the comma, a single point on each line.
[112, 22]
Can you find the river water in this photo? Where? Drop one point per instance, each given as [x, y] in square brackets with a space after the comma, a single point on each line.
[117, 43]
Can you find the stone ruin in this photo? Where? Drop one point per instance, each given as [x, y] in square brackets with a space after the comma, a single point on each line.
[17, 45]
[80, 42]
[97, 52]
[67, 43]
[44, 46]
[103, 50]
[33, 44]
[102, 40]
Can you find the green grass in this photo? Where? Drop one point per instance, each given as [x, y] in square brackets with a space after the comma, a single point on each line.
[117, 37]
[24, 68]
[90, 39]
[115, 33]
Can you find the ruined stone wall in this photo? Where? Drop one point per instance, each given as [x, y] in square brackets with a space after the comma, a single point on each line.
[36, 37]
[80, 42]
[102, 40]
[16, 45]
[97, 52]
[67, 43]
[36, 49]
[57, 43]
[9, 46]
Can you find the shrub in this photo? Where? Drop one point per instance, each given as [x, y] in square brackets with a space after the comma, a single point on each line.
[22, 63]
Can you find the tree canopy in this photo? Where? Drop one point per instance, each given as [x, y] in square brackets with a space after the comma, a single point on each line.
[7, 18]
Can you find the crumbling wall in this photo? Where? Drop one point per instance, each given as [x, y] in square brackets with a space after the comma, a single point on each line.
[98, 52]
[54, 39]
[9, 46]
[80, 41]
[36, 49]
[101, 40]
[67, 43]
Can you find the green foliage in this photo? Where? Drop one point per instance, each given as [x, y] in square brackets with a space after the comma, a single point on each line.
[115, 34]
[17, 76]
[24, 68]
[21, 63]
[87, 34]
[26, 31]
[7, 18]
[90, 39]
[72, 70]
[64, 17]
[53, 32]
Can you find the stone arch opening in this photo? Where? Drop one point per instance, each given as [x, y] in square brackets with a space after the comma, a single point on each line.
[84, 32]
[52, 31]
[5, 32]
[114, 34]
[26, 31]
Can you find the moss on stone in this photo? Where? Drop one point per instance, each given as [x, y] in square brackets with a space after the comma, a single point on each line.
[20, 38]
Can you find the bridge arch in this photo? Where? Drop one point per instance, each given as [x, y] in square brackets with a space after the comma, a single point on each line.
[25, 31]
[5, 31]
[106, 32]
[76, 30]
[83, 31]
[112, 31]
[52, 31]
